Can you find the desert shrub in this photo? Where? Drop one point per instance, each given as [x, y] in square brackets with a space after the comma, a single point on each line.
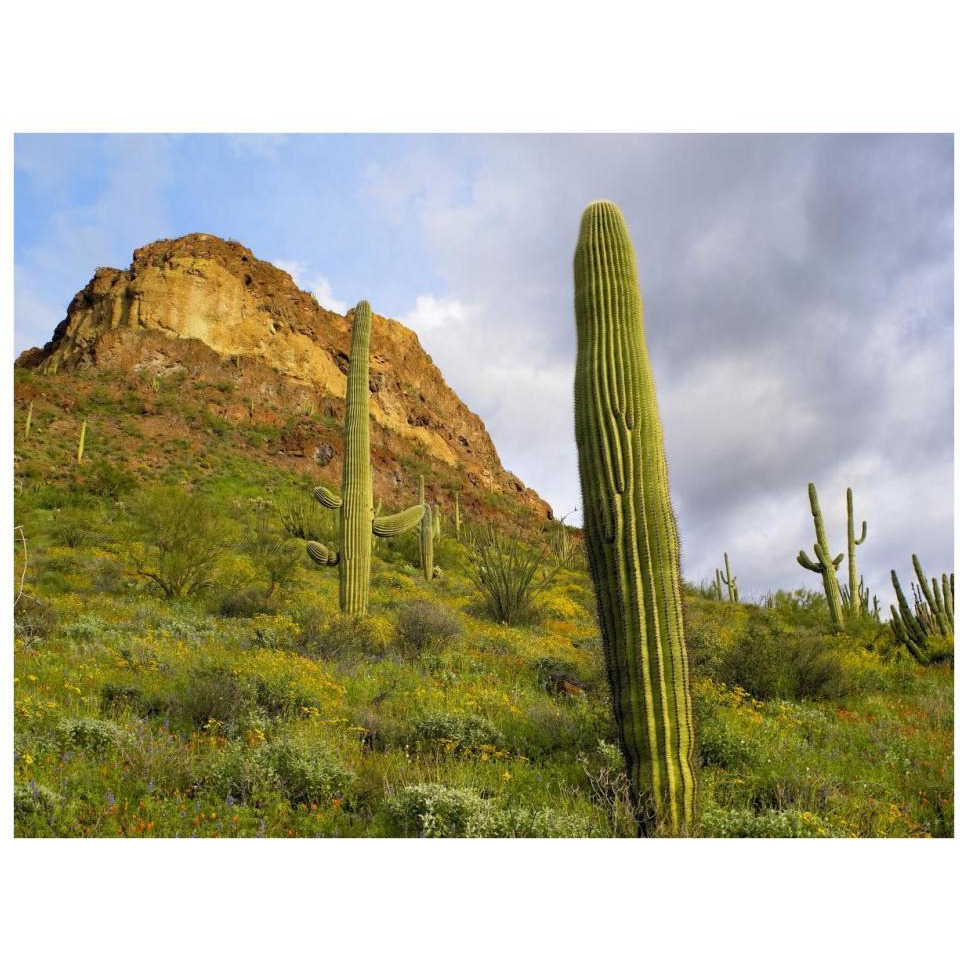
[509, 574]
[247, 602]
[275, 557]
[768, 823]
[342, 637]
[306, 775]
[106, 479]
[33, 799]
[214, 692]
[33, 621]
[275, 632]
[425, 626]
[770, 660]
[74, 527]
[554, 728]
[463, 731]
[606, 773]
[434, 810]
[287, 768]
[240, 772]
[180, 539]
[90, 733]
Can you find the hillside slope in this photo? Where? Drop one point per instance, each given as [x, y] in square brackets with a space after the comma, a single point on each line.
[202, 309]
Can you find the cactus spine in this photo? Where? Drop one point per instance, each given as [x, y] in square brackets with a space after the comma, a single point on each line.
[629, 526]
[855, 587]
[927, 629]
[83, 436]
[826, 567]
[355, 504]
[732, 593]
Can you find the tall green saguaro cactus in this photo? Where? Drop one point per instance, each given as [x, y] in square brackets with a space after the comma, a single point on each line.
[731, 581]
[629, 526]
[26, 426]
[355, 503]
[83, 436]
[426, 542]
[718, 584]
[826, 567]
[429, 527]
[456, 515]
[854, 586]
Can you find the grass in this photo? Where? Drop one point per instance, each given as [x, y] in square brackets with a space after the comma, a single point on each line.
[137, 715]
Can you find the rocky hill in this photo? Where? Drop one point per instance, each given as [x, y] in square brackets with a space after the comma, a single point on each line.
[208, 310]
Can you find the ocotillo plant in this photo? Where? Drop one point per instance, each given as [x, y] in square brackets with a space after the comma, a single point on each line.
[826, 567]
[26, 426]
[854, 586]
[629, 526]
[83, 436]
[355, 503]
[731, 582]
[926, 630]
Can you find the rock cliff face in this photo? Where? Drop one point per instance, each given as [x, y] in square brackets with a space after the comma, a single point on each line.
[207, 307]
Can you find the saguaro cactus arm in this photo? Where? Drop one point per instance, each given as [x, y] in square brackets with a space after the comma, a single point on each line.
[398, 523]
[629, 527]
[426, 542]
[322, 555]
[327, 498]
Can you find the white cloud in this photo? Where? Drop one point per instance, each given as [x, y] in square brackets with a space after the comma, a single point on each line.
[312, 282]
[436, 313]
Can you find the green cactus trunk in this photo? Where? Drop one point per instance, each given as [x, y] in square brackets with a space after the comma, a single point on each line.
[456, 515]
[731, 581]
[83, 436]
[26, 426]
[719, 584]
[854, 586]
[826, 567]
[357, 489]
[354, 504]
[629, 527]
[426, 543]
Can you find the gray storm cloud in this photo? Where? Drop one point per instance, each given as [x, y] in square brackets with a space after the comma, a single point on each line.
[798, 294]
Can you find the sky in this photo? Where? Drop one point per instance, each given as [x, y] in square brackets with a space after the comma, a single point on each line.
[798, 298]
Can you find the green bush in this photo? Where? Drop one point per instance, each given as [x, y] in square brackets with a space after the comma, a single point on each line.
[423, 626]
[214, 692]
[434, 810]
[179, 540]
[286, 768]
[771, 660]
[769, 823]
[340, 637]
[464, 731]
[34, 800]
[90, 733]
[248, 602]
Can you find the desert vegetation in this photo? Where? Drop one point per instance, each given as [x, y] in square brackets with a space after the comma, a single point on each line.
[210, 643]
